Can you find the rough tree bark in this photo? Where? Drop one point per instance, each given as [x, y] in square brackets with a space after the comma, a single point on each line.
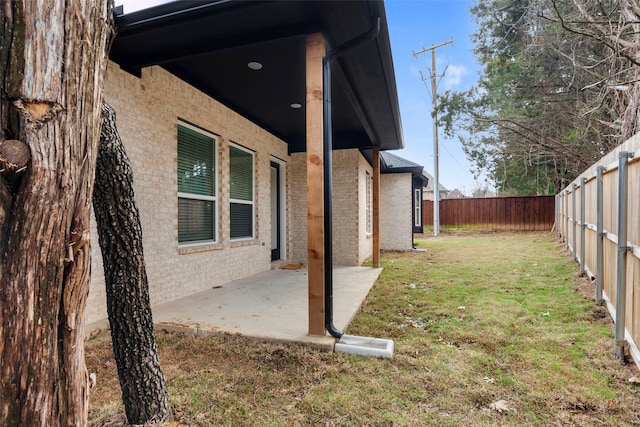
[143, 385]
[53, 57]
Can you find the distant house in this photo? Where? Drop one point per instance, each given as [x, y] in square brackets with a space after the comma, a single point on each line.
[402, 184]
[483, 192]
[220, 107]
[428, 192]
[455, 194]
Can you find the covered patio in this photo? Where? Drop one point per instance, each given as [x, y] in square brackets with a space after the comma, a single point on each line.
[273, 63]
[271, 305]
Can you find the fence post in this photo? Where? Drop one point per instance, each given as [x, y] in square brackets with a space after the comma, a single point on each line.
[558, 198]
[599, 233]
[621, 280]
[558, 214]
[555, 213]
[574, 245]
[562, 215]
[566, 219]
[583, 225]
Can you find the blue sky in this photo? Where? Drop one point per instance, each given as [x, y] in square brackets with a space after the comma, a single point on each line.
[414, 24]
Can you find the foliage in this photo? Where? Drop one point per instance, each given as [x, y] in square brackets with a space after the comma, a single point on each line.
[556, 92]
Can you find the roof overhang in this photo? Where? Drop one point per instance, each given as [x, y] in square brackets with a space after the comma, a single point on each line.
[209, 44]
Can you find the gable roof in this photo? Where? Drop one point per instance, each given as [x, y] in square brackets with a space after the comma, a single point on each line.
[208, 44]
[391, 163]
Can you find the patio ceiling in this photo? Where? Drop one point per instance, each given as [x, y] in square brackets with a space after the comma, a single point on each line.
[210, 43]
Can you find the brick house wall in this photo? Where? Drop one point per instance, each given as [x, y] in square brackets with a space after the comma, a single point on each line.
[395, 212]
[298, 208]
[351, 244]
[365, 207]
[148, 109]
[345, 207]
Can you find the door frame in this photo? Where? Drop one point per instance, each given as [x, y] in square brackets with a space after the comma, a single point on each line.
[280, 166]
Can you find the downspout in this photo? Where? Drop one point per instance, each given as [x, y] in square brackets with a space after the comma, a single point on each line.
[328, 178]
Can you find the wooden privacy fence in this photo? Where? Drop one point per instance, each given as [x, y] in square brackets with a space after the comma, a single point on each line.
[495, 213]
[597, 217]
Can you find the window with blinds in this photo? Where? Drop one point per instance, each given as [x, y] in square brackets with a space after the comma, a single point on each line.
[241, 193]
[196, 185]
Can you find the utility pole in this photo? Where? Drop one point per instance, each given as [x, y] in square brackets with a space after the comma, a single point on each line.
[434, 115]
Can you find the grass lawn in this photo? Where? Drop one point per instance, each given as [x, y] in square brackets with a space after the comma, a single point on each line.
[476, 318]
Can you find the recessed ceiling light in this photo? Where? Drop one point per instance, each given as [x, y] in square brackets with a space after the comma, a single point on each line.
[255, 65]
[295, 105]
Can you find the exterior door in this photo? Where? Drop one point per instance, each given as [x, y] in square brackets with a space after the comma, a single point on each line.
[276, 212]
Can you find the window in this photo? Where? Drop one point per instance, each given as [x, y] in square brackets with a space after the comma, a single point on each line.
[417, 206]
[196, 185]
[241, 192]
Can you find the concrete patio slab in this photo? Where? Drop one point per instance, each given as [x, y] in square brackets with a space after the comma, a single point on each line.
[271, 305]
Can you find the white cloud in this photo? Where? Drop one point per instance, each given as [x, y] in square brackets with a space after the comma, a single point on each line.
[453, 75]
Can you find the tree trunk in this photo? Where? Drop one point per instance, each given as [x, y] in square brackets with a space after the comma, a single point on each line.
[53, 57]
[143, 385]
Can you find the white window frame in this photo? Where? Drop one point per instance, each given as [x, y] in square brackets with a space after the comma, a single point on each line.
[417, 200]
[192, 196]
[240, 201]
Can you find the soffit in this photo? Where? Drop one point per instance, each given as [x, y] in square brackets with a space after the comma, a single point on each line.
[209, 44]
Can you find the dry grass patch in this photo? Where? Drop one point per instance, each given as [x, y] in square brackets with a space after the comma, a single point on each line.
[476, 319]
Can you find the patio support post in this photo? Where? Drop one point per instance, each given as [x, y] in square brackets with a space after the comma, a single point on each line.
[376, 207]
[599, 233]
[621, 274]
[315, 52]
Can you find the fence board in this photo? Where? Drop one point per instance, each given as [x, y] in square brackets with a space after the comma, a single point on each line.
[590, 256]
[610, 203]
[635, 308]
[536, 213]
[610, 253]
[633, 233]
